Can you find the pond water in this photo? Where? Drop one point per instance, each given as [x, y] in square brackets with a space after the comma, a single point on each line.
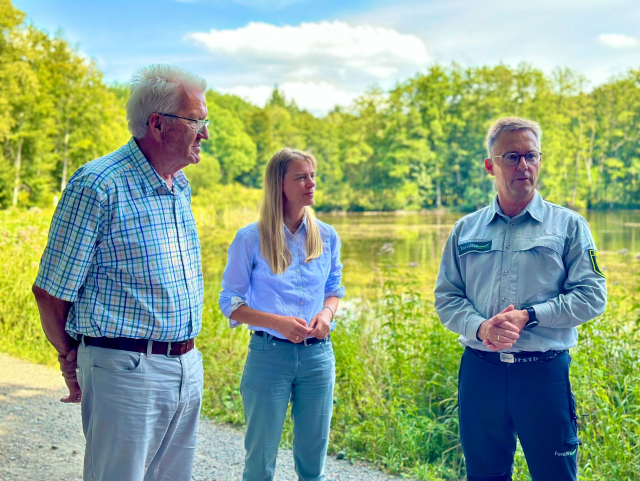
[418, 239]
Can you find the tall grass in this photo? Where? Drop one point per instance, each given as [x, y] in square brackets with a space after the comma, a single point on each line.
[23, 236]
[396, 390]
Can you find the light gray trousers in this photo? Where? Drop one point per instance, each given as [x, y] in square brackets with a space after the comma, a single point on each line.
[139, 413]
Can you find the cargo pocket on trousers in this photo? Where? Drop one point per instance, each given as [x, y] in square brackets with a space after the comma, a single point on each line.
[573, 440]
[574, 419]
[572, 443]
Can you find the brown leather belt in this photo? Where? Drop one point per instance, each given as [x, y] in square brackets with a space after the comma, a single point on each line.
[306, 342]
[140, 345]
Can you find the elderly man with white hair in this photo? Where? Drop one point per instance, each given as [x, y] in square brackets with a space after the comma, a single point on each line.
[120, 287]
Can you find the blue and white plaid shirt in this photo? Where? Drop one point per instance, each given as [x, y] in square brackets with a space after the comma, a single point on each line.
[124, 249]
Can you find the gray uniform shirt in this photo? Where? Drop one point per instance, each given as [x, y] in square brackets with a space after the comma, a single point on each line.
[544, 257]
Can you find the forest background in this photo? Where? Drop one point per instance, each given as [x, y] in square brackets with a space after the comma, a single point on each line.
[418, 146]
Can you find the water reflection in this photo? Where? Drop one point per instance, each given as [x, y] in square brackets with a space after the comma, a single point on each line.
[615, 230]
[419, 238]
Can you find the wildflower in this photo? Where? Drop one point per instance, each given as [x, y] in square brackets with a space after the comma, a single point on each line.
[386, 249]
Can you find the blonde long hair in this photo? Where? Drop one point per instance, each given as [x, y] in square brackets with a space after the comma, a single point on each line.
[271, 224]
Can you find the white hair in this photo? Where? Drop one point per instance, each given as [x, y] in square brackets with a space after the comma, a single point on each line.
[511, 123]
[158, 88]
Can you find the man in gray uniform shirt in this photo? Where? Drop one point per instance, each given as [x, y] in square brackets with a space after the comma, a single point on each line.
[516, 279]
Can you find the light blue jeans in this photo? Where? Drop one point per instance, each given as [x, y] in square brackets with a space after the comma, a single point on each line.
[139, 413]
[274, 374]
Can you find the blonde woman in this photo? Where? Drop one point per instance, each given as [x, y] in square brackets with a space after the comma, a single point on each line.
[283, 279]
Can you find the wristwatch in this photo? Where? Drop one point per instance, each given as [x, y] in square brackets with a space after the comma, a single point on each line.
[533, 320]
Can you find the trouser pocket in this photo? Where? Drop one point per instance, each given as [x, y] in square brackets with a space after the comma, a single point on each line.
[80, 378]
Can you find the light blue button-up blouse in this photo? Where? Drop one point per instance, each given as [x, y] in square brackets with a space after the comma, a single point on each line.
[300, 291]
[544, 257]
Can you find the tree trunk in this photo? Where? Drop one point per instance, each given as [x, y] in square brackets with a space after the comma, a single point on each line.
[577, 168]
[588, 163]
[18, 164]
[438, 195]
[65, 158]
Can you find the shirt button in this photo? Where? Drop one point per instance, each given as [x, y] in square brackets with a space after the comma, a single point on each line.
[506, 247]
[504, 299]
[505, 272]
[302, 303]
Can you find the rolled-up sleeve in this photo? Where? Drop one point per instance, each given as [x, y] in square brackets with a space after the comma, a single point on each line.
[74, 235]
[237, 276]
[333, 287]
[585, 289]
[454, 309]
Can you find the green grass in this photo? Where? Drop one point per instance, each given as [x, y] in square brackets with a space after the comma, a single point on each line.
[395, 401]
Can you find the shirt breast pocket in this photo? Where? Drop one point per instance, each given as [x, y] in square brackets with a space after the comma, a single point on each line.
[541, 270]
[480, 261]
[326, 255]
[316, 273]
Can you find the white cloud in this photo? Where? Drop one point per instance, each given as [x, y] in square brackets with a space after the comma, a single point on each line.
[618, 41]
[257, 95]
[474, 33]
[319, 65]
[316, 97]
[324, 47]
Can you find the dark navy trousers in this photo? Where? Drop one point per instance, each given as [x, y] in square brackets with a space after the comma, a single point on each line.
[531, 400]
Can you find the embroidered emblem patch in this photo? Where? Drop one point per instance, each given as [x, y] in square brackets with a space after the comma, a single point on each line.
[474, 247]
[594, 263]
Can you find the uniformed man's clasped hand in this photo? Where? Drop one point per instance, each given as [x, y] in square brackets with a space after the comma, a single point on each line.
[502, 331]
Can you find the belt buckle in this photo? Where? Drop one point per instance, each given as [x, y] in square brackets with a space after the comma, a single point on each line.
[305, 342]
[505, 357]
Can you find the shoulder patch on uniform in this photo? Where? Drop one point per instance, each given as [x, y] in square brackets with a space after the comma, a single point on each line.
[594, 263]
[474, 247]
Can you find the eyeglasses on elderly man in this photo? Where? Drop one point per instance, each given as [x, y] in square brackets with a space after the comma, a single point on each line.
[200, 124]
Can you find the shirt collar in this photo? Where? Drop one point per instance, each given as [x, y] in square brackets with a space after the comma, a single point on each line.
[535, 208]
[303, 224]
[180, 182]
[149, 175]
[494, 208]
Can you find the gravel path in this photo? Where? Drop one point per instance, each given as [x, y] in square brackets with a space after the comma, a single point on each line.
[41, 438]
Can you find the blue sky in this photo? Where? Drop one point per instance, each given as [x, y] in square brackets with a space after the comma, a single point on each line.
[327, 52]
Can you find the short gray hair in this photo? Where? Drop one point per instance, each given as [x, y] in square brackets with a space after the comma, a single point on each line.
[158, 88]
[511, 123]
